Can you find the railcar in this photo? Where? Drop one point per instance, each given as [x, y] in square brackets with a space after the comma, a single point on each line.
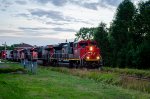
[8, 54]
[3, 54]
[16, 55]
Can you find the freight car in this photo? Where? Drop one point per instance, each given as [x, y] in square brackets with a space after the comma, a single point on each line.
[3, 54]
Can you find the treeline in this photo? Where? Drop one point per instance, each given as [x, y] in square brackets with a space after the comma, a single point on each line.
[126, 43]
[11, 47]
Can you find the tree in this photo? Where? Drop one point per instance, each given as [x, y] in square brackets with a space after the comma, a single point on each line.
[142, 35]
[85, 33]
[101, 36]
[120, 32]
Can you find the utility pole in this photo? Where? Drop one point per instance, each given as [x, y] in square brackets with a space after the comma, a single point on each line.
[4, 48]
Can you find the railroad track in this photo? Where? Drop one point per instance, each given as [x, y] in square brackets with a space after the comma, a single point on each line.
[121, 75]
[136, 77]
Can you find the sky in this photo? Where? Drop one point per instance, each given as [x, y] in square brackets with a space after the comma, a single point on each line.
[45, 22]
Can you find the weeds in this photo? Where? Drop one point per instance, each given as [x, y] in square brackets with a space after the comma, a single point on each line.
[112, 76]
[12, 68]
[126, 71]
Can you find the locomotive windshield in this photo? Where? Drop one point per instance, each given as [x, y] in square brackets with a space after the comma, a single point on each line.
[83, 44]
[93, 43]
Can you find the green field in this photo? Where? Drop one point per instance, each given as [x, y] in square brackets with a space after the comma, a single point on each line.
[52, 84]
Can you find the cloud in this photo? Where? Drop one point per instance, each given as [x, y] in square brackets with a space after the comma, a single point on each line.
[42, 1]
[10, 32]
[40, 41]
[92, 6]
[54, 2]
[4, 4]
[50, 17]
[56, 29]
[3, 9]
[54, 15]
[21, 2]
[63, 29]
[56, 23]
[23, 15]
[85, 4]
[89, 5]
[35, 31]
[47, 13]
[59, 2]
[37, 28]
[111, 2]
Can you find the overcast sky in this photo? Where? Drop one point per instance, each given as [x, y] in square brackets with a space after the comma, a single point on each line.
[43, 22]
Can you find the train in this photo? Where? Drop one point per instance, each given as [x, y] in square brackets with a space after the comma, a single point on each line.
[84, 53]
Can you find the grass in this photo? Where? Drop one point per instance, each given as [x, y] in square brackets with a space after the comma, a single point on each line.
[10, 68]
[51, 84]
[126, 71]
[113, 78]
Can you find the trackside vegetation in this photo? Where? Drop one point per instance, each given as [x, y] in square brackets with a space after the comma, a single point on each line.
[126, 78]
[132, 72]
[11, 68]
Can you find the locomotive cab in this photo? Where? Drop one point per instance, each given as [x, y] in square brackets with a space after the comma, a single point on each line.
[87, 52]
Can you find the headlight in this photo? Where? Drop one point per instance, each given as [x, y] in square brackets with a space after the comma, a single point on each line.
[97, 57]
[87, 57]
[91, 48]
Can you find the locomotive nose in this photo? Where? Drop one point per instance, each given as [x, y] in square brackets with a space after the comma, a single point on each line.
[98, 57]
[93, 53]
[90, 48]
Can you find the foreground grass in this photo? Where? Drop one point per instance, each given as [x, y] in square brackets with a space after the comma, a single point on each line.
[9, 68]
[49, 84]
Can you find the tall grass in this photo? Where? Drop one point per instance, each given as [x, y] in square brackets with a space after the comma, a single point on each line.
[12, 68]
[126, 71]
[113, 78]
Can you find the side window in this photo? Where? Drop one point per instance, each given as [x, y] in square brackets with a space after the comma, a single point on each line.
[75, 45]
[63, 50]
[93, 43]
[84, 44]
